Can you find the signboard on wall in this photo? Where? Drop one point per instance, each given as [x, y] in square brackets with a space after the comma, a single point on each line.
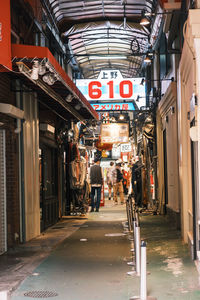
[114, 133]
[113, 106]
[5, 34]
[111, 86]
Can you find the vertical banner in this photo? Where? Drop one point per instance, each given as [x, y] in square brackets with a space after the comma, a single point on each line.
[5, 34]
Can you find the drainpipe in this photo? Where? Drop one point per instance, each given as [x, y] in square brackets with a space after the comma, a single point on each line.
[19, 131]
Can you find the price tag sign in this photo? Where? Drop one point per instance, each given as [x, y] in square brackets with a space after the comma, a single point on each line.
[126, 148]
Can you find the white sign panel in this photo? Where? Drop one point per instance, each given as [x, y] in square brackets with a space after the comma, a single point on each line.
[111, 86]
[116, 152]
[126, 147]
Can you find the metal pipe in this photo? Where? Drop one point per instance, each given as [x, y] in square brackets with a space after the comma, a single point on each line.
[130, 221]
[128, 215]
[127, 208]
[131, 211]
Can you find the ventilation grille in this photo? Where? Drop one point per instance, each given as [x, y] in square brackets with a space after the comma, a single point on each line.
[40, 294]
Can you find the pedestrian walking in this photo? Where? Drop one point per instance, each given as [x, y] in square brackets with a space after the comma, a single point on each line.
[118, 183]
[96, 181]
[110, 179]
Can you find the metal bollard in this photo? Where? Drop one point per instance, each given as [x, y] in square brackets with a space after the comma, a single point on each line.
[143, 279]
[131, 210]
[4, 295]
[127, 212]
[137, 249]
[137, 252]
[130, 221]
[137, 217]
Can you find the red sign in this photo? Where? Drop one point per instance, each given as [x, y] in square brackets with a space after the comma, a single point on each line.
[5, 34]
[95, 92]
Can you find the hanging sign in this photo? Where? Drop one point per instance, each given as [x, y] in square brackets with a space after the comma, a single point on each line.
[115, 133]
[111, 86]
[113, 106]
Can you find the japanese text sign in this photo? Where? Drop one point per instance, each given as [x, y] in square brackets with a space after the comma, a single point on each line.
[110, 85]
[112, 106]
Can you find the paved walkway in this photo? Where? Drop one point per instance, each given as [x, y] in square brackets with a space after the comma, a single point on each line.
[91, 263]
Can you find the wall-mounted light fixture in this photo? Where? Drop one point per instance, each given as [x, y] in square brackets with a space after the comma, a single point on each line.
[69, 98]
[42, 69]
[35, 70]
[77, 106]
[49, 78]
[49, 75]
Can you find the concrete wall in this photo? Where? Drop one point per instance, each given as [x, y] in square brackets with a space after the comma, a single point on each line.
[31, 166]
[188, 85]
[167, 120]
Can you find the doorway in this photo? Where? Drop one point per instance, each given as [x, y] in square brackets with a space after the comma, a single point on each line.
[165, 171]
[49, 205]
[195, 205]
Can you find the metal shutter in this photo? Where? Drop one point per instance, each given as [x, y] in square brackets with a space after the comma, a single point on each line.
[3, 221]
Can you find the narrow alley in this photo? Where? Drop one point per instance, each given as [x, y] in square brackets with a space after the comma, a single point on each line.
[100, 149]
[88, 260]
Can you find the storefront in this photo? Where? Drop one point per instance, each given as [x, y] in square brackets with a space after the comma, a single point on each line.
[189, 133]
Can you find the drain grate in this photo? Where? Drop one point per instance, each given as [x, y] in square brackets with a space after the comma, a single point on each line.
[40, 294]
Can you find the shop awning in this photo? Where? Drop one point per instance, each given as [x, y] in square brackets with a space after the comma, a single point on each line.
[62, 89]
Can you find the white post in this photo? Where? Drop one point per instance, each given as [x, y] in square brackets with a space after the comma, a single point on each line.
[143, 279]
[137, 249]
[3, 295]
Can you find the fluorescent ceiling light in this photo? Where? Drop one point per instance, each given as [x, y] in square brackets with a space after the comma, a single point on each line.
[107, 57]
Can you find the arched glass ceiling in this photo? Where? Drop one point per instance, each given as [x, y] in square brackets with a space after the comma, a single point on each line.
[98, 29]
[108, 45]
[69, 11]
